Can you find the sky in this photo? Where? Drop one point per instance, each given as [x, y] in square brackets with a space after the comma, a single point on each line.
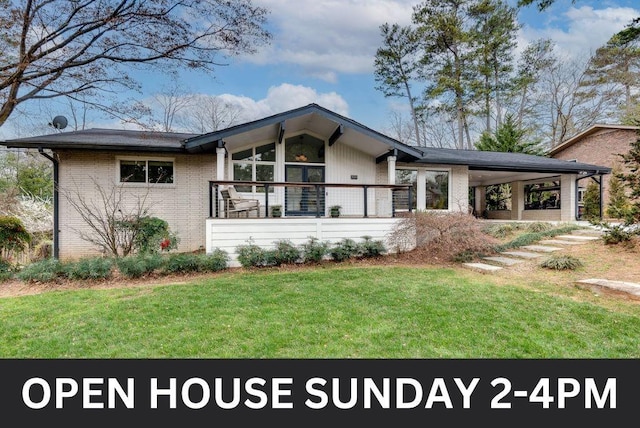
[323, 51]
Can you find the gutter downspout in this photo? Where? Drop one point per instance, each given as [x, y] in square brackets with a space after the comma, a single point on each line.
[56, 241]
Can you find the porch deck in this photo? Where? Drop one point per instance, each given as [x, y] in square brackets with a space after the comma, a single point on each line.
[314, 199]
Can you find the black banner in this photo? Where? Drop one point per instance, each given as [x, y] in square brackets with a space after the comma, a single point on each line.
[288, 392]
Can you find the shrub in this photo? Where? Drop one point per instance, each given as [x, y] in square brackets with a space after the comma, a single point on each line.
[139, 265]
[89, 268]
[539, 226]
[532, 237]
[440, 236]
[345, 249]
[181, 263]
[213, 262]
[153, 235]
[42, 271]
[616, 233]
[251, 255]
[372, 248]
[561, 262]
[14, 238]
[285, 253]
[314, 250]
[6, 270]
[499, 230]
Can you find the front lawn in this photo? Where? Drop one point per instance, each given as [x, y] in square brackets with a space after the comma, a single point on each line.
[326, 312]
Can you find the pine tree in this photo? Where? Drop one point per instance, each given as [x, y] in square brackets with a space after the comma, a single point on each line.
[509, 137]
[631, 179]
[592, 202]
[618, 199]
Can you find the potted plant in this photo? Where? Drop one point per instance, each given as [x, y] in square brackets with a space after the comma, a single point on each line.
[335, 211]
[276, 211]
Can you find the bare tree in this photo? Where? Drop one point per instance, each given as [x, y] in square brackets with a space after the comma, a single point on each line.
[55, 48]
[209, 113]
[108, 216]
[569, 107]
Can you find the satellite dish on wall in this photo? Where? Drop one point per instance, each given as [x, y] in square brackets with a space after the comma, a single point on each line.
[59, 122]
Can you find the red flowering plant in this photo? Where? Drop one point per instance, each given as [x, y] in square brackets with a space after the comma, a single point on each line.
[153, 235]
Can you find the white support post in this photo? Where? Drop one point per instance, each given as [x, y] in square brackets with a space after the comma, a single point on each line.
[220, 173]
[568, 197]
[391, 169]
[220, 158]
[391, 179]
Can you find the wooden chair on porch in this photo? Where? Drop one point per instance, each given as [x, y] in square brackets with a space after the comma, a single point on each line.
[235, 203]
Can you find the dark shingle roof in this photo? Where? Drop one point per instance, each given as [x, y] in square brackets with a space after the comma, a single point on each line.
[500, 161]
[106, 139]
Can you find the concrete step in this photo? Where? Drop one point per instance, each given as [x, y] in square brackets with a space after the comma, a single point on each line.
[482, 266]
[631, 288]
[541, 248]
[503, 260]
[583, 238]
[588, 232]
[560, 242]
[522, 254]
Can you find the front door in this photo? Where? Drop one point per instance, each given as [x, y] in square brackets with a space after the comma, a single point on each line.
[304, 201]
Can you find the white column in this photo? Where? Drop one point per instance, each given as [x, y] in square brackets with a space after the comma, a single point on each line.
[391, 179]
[568, 197]
[517, 200]
[391, 169]
[220, 158]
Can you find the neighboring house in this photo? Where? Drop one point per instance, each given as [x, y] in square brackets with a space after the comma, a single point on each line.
[601, 145]
[305, 160]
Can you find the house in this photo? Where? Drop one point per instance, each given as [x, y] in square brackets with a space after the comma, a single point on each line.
[601, 144]
[305, 161]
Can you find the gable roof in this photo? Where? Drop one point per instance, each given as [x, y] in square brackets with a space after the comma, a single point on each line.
[590, 131]
[106, 139]
[311, 117]
[502, 161]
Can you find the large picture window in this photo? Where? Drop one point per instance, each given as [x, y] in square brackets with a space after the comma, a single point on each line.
[434, 184]
[254, 164]
[542, 196]
[304, 149]
[437, 190]
[145, 171]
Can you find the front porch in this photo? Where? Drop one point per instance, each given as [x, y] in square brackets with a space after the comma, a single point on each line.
[311, 199]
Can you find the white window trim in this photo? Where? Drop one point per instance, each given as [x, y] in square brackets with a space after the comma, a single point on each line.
[421, 201]
[253, 163]
[145, 159]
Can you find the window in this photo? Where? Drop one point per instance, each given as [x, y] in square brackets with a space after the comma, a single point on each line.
[498, 197]
[542, 196]
[401, 198]
[254, 164]
[437, 190]
[146, 171]
[304, 149]
[433, 184]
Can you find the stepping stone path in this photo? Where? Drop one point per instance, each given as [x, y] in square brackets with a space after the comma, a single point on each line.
[522, 254]
[615, 286]
[514, 257]
[541, 248]
[503, 260]
[577, 237]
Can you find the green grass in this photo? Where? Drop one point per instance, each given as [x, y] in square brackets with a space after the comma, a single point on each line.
[326, 312]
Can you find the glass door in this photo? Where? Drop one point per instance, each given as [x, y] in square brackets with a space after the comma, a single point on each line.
[304, 201]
